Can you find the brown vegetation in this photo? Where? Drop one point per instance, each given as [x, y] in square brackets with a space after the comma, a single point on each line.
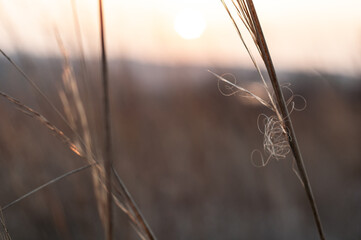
[184, 151]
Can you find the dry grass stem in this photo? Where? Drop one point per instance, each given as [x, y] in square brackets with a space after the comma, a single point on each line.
[120, 194]
[85, 78]
[140, 222]
[37, 89]
[71, 94]
[107, 137]
[34, 114]
[76, 118]
[35, 190]
[246, 13]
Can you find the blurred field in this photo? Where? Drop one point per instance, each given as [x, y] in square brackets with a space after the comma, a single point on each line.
[184, 151]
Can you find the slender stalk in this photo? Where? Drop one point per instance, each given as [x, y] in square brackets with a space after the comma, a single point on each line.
[84, 76]
[79, 39]
[140, 221]
[134, 214]
[36, 87]
[138, 215]
[107, 138]
[286, 116]
[45, 185]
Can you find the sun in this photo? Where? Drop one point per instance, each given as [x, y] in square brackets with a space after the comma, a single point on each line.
[189, 24]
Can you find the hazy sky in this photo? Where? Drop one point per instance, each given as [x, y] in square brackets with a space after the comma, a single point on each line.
[307, 34]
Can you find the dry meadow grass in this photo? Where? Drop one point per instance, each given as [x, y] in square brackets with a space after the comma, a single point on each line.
[183, 149]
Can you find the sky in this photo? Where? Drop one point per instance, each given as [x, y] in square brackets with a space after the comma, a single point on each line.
[308, 35]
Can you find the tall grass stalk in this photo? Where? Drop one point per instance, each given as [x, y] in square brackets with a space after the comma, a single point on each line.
[120, 194]
[117, 190]
[107, 137]
[138, 218]
[52, 181]
[38, 90]
[246, 11]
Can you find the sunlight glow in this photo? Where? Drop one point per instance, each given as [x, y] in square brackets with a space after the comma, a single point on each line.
[189, 24]
[325, 36]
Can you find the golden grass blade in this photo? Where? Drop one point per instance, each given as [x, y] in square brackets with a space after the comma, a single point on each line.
[247, 13]
[37, 89]
[76, 110]
[84, 75]
[34, 114]
[128, 206]
[246, 21]
[84, 150]
[286, 117]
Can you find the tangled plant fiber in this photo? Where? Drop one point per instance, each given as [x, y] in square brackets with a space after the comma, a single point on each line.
[244, 14]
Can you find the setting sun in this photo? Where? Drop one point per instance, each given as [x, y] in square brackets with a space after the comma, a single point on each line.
[189, 24]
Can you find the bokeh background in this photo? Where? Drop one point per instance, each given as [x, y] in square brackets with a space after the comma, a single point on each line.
[182, 148]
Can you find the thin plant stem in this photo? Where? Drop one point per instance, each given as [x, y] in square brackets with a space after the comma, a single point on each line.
[138, 215]
[107, 138]
[80, 43]
[32, 113]
[139, 219]
[286, 116]
[36, 87]
[84, 76]
[46, 184]
[134, 214]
